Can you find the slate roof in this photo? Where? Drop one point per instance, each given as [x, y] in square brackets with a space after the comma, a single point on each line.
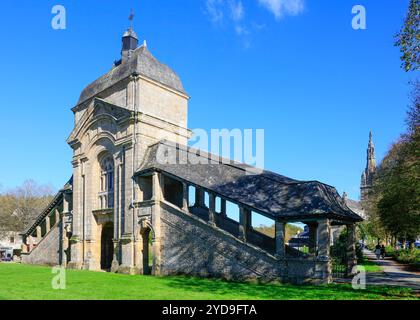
[266, 192]
[141, 62]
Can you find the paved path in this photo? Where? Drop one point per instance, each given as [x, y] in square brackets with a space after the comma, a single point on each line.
[393, 274]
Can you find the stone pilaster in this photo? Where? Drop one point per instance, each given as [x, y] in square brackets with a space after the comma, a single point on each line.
[115, 264]
[127, 255]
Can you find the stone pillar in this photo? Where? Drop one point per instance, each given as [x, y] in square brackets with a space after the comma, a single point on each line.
[30, 243]
[323, 268]
[212, 209]
[244, 222]
[280, 239]
[156, 224]
[223, 208]
[66, 202]
[138, 247]
[57, 216]
[324, 238]
[184, 196]
[75, 242]
[312, 237]
[115, 264]
[157, 188]
[351, 248]
[38, 234]
[47, 224]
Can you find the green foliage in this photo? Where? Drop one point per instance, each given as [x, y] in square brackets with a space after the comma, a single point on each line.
[20, 282]
[394, 203]
[406, 256]
[19, 207]
[408, 39]
[291, 231]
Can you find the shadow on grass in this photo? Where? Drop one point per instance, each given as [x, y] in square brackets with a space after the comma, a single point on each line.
[244, 290]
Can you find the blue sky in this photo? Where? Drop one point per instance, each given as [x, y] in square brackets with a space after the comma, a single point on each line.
[300, 72]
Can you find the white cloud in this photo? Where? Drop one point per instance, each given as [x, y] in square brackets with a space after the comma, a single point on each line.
[231, 13]
[214, 9]
[280, 8]
[237, 10]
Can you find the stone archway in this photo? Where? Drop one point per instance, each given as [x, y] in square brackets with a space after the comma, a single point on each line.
[107, 246]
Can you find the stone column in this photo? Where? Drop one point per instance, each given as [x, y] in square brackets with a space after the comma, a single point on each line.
[38, 234]
[351, 248]
[30, 243]
[115, 264]
[184, 196]
[156, 224]
[244, 222]
[323, 267]
[47, 224]
[223, 208]
[212, 209]
[312, 237]
[156, 185]
[57, 216]
[280, 239]
[324, 238]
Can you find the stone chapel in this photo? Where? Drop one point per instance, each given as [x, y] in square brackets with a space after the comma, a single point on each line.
[125, 210]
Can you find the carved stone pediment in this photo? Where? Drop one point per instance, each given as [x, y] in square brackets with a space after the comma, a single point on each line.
[100, 116]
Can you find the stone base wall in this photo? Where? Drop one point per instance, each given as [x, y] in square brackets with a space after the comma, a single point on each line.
[192, 247]
[47, 252]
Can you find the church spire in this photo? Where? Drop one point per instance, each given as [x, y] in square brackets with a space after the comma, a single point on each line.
[371, 161]
[369, 172]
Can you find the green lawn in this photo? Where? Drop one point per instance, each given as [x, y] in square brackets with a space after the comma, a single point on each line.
[370, 266]
[33, 282]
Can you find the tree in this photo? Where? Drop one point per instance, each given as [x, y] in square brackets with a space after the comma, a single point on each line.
[408, 39]
[19, 207]
[397, 190]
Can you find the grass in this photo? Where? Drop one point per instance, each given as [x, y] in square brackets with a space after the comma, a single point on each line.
[370, 266]
[410, 257]
[24, 282]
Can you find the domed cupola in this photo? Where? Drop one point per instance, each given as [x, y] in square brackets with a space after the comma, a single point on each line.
[129, 44]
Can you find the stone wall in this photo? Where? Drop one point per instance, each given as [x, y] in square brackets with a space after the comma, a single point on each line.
[47, 252]
[192, 247]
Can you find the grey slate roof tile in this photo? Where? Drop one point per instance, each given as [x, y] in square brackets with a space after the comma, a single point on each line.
[269, 193]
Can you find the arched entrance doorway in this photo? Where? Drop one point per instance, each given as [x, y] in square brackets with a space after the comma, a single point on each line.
[147, 237]
[107, 246]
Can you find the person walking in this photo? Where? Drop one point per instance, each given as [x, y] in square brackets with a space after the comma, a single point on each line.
[378, 251]
[383, 251]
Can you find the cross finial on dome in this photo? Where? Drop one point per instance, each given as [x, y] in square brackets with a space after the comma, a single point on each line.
[131, 18]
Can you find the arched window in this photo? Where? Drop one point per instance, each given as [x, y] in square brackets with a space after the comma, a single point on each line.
[106, 194]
